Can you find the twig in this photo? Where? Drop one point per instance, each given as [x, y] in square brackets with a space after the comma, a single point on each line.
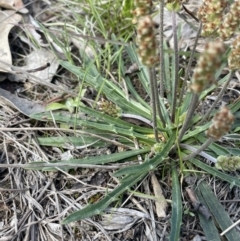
[13, 189]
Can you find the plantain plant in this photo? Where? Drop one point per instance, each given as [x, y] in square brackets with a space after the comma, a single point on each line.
[168, 129]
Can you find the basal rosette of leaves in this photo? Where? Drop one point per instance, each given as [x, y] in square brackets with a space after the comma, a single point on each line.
[179, 145]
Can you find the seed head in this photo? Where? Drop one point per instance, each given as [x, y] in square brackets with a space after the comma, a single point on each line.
[230, 22]
[221, 123]
[108, 107]
[227, 163]
[208, 62]
[234, 57]
[143, 8]
[210, 14]
[146, 41]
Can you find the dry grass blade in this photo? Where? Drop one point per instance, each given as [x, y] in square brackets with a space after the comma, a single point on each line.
[161, 204]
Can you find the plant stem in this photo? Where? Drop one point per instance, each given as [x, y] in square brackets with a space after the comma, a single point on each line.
[176, 63]
[161, 54]
[183, 89]
[205, 117]
[153, 103]
[156, 94]
[189, 116]
[199, 150]
[202, 153]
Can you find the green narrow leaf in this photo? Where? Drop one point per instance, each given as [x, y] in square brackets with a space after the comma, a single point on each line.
[213, 171]
[128, 80]
[218, 211]
[111, 90]
[115, 121]
[186, 102]
[207, 225]
[62, 141]
[234, 151]
[143, 74]
[196, 132]
[232, 137]
[73, 163]
[167, 68]
[144, 79]
[176, 218]
[149, 164]
[97, 208]
[61, 118]
[127, 6]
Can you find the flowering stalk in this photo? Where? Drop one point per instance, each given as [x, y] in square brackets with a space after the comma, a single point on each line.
[189, 116]
[203, 77]
[174, 6]
[147, 51]
[176, 67]
[161, 51]
[222, 122]
[154, 98]
[207, 143]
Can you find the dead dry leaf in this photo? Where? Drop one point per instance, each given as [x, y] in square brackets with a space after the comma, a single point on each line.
[7, 4]
[161, 204]
[39, 58]
[31, 26]
[132, 69]
[7, 21]
[121, 218]
[25, 106]
[19, 6]
[36, 59]
[16, 5]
